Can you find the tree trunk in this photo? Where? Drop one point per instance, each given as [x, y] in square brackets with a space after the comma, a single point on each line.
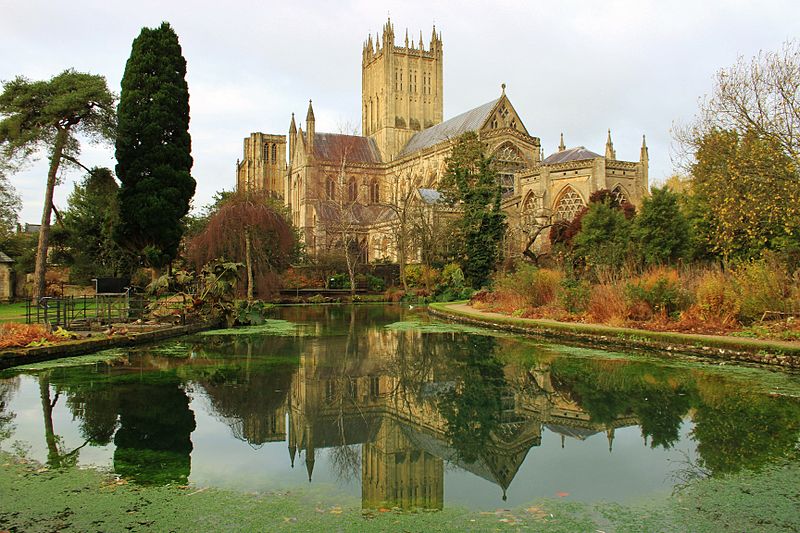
[248, 259]
[39, 285]
[350, 269]
[49, 432]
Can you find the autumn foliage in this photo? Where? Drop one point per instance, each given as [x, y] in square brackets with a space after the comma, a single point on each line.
[251, 229]
[18, 335]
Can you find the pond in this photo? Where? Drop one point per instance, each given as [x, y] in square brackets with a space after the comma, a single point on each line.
[385, 404]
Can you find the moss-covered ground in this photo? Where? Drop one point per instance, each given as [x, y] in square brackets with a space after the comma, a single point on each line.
[34, 498]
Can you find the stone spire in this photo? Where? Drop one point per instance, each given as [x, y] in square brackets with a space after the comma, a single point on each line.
[292, 138]
[561, 146]
[610, 152]
[643, 154]
[310, 130]
[421, 44]
[406, 37]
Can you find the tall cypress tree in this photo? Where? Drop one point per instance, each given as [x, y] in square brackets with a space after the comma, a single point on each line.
[154, 147]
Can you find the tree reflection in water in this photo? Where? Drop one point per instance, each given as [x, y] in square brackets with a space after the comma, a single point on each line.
[391, 407]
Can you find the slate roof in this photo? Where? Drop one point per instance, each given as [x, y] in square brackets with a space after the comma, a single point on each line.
[449, 129]
[357, 213]
[351, 148]
[5, 259]
[430, 196]
[579, 153]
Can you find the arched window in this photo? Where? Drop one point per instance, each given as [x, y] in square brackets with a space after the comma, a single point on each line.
[568, 205]
[507, 161]
[374, 192]
[531, 207]
[274, 153]
[352, 190]
[619, 196]
[266, 151]
[330, 189]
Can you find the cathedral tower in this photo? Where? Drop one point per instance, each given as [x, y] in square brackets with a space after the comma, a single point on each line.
[264, 164]
[401, 89]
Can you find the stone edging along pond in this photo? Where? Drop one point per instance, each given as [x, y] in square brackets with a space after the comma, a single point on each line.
[37, 354]
[783, 354]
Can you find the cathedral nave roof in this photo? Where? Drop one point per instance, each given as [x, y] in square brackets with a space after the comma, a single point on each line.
[471, 120]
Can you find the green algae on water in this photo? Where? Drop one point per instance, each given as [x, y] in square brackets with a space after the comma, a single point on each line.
[106, 356]
[280, 328]
[441, 327]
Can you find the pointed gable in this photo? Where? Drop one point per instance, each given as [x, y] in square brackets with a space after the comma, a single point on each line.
[492, 115]
[472, 120]
[503, 115]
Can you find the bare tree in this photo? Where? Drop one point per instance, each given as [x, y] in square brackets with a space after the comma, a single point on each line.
[760, 95]
[403, 197]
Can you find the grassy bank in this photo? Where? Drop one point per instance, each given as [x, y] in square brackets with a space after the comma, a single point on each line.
[34, 498]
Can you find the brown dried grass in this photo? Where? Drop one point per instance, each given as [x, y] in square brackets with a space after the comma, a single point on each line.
[607, 304]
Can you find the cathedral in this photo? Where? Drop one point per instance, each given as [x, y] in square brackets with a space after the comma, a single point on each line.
[337, 183]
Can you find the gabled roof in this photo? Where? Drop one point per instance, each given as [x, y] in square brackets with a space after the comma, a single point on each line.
[5, 259]
[472, 120]
[579, 153]
[348, 148]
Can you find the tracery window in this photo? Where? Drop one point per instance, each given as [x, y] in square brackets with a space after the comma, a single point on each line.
[507, 161]
[352, 190]
[530, 209]
[569, 205]
[274, 153]
[618, 195]
[330, 189]
[266, 151]
[374, 192]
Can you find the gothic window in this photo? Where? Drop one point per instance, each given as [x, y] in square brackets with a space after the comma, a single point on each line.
[352, 190]
[618, 195]
[374, 192]
[330, 188]
[507, 161]
[274, 153]
[569, 204]
[266, 151]
[530, 208]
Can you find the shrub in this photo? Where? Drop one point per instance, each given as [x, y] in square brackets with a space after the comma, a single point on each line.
[660, 289]
[607, 304]
[339, 281]
[535, 286]
[574, 295]
[762, 286]
[452, 276]
[716, 299]
[413, 275]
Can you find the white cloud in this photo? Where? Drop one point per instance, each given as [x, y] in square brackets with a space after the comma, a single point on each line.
[574, 66]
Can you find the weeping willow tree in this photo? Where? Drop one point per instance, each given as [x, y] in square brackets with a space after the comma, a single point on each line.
[249, 228]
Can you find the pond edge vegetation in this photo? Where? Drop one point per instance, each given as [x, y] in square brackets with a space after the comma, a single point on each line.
[740, 350]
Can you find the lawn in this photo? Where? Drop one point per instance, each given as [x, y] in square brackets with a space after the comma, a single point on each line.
[12, 312]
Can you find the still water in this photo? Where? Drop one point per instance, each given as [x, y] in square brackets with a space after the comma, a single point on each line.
[389, 405]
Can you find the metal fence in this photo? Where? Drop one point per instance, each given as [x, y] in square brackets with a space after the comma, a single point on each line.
[72, 311]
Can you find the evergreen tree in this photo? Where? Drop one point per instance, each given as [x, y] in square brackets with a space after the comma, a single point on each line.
[154, 147]
[49, 115]
[90, 219]
[603, 241]
[661, 229]
[472, 182]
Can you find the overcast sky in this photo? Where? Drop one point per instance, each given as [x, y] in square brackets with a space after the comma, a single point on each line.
[577, 67]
